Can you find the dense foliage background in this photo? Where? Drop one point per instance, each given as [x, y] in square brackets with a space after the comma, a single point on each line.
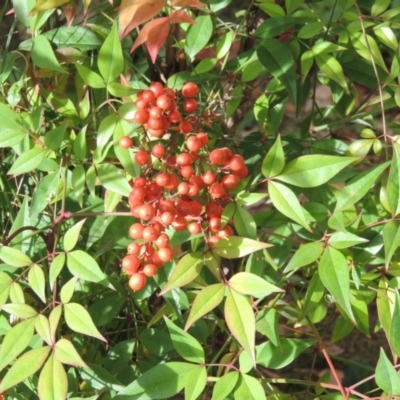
[302, 301]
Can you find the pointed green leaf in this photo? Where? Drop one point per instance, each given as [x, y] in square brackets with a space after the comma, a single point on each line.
[16, 341]
[14, 257]
[67, 291]
[187, 270]
[53, 382]
[24, 367]
[305, 255]
[37, 281]
[113, 179]
[42, 328]
[274, 161]
[313, 170]
[28, 161]
[20, 310]
[276, 357]
[93, 79]
[394, 337]
[343, 240]
[185, 344]
[391, 240]
[236, 247]
[196, 383]
[386, 376]
[209, 298]
[43, 55]
[331, 68]
[393, 183]
[244, 223]
[79, 320]
[111, 59]
[287, 203]
[249, 388]
[251, 284]
[85, 266]
[225, 385]
[198, 35]
[99, 378]
[278, 60]
[357, 187]
[239, 317]
[334, 274]
[10, 119]
[267, 324]
[72, 235]
[160, 382]
[65, 353]
[56, 267]
[54, 319]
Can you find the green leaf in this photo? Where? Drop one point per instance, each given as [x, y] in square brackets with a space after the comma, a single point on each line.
[54, 319]
[45, 191]
[99, 378]
[334, 273]
[85, 266]
[343, 240]
[24, 367]
[56, 267]
[276, 357]
[9, 119]
[234, 101]
[304, 255]
[198, 35]
[239, 317]
[9, 138]
[72, 235]
[79, 320]
[251, 284]
[42, 328]
[65, 353]
[278, 60]
[187, 270]
[393, 183]
[386, 376]
[236, 247]
[28, 161]
[287, 203]
[93, 79]
[53, 382]
[358, 186]
[113, 179]
[37, 281]
[43, 5]
[111, 59]
[272, 27]
[19, 310]
[331, 68]
[78, 183]
[160, 382]
[225, 385]
[391, 240]
[244, 223]
[274, 161]
[384, 301]
[249, 388]
[209, 298]
[313, 170]
[394, 338]
[366, 47]
[43, 55]
[186, 345]
[14, 257]
[267, 324]
[196, 383]
[54, 137]
[68, 289]
[16, 341]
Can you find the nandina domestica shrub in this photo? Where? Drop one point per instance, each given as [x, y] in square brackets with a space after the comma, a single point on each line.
[199, 199]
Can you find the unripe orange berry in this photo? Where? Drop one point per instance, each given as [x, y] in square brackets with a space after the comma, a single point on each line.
[150, 270]
[166, 254]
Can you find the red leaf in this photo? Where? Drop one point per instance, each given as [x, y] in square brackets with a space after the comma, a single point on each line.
[70, 12]
[188, 3]
[156, 38]
[132, 13]
[179, 17]
[144, 33]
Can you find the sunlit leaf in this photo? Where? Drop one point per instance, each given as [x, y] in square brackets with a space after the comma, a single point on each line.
[14, 257]
[65, 353]
[386, 376]
[251, 284]
[198, 35]
[236, 247]
[53, 382]
[225, 385]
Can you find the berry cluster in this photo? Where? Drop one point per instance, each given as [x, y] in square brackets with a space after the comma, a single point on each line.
[183, 185]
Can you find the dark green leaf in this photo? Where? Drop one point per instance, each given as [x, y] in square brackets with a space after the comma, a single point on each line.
[43, 55]
[198, 35]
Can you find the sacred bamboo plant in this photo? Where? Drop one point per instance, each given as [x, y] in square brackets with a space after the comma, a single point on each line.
[199, 198]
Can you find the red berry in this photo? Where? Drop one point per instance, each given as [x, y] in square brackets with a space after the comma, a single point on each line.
[150, 270]
[125, 142]
[137, 281]
[142, 157]
[190, 89]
